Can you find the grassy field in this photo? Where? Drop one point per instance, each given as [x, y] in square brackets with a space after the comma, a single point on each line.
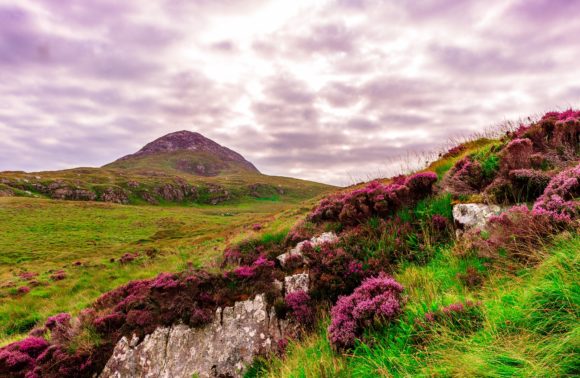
[529, 327]
[79, 240]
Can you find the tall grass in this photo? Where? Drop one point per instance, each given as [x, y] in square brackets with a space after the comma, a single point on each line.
[530, 325]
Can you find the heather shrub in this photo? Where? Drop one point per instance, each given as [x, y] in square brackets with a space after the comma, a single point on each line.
[300, 307]
[520, 185]
[333, 271]
[561, 198]
[376, 299]
[375, 199]
[247, 251]
[516, 155]
[518, 234]
[556, 135]
[465, 177]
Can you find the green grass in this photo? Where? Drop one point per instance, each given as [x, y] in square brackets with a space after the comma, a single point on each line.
[42, 236]
[530, 326]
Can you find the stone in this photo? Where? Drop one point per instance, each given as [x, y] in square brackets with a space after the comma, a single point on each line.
[468, 215]
[224, 347]
[297, 282]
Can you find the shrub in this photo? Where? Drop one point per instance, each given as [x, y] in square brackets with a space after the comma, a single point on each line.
[333, 271]
[516, 155]
[299, 307]
[518, 234]
[466, 177]
[376, 299]
[58, 275]
[561, 198]
[373, 200]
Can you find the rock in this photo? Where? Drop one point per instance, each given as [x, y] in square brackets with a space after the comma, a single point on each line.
[297, 282]
[6, 191]
[470, 215]
[73, 194]
[115, 195]
[326, 237]
[223, 348]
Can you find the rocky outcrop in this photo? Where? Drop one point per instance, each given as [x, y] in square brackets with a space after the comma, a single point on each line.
[468, 215]
[326, 237]
[115, 195]
[72, 194]
[223, 348]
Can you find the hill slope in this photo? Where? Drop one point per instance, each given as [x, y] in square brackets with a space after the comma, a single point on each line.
[414, 291]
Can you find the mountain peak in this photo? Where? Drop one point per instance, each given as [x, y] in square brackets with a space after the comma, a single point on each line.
[185, 141]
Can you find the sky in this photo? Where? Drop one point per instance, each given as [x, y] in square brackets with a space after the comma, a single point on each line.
[331, 91]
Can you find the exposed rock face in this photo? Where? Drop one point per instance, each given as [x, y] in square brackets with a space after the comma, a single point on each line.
[223, 348]
[191, 141]
[115, 195]
[72, 194]
[470, 215]
[326, 237]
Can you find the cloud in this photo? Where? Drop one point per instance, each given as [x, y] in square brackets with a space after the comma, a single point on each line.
[327, 91]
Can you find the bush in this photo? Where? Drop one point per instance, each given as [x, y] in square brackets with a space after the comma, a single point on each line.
[374, 200]
[377, 299]
[518, 234]
[300, 308]
[561, 198]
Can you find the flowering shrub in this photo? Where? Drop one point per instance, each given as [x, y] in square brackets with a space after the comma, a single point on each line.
[561, 198]
[518, 232]
[465, 177]
[333, 271]
[516, 155]
[520, 185]
[247, 251]
[375, 199]
[23, 290]
[556, 134]
[377, 298]
[299, 307]
[58, 275]
[128, 257]
[27, 276]
[454, 151]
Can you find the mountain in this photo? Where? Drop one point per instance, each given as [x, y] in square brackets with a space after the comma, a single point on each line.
[188, 152]
[183, 167]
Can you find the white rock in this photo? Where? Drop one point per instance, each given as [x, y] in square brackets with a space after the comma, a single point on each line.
[468, 215]
[296, 282]
[224, 347]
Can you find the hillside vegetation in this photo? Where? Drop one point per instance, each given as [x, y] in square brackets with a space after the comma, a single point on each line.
[403, 291]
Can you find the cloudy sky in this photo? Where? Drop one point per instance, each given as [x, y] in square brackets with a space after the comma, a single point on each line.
[324, 90]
